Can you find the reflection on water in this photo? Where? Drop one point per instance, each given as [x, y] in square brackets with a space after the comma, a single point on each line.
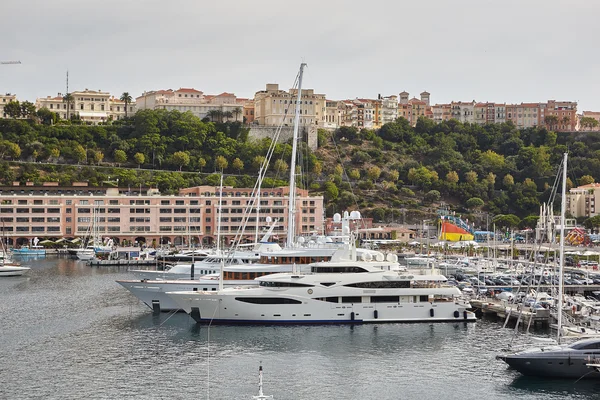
[69, 331]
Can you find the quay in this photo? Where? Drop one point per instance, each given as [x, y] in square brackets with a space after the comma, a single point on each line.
[502, 309]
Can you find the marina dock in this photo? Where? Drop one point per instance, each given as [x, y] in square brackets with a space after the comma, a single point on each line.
[502, 309]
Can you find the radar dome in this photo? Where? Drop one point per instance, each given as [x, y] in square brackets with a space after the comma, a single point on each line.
[321, 240]
[355, 215]
[300, 239]
[366, 257]
[268, 219]
[379, 257]
[391, 257]
[337, 217]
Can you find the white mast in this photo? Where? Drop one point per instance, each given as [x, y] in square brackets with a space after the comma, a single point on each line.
[292, 196]
[563, 211]
[219, 235]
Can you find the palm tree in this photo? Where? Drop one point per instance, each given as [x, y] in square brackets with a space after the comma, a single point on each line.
[237, 111]
[228, 114]
[213, 114]
[127, 99]
[567, 121]
[69, 99]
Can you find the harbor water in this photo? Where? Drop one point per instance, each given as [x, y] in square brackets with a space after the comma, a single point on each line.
[68, 331]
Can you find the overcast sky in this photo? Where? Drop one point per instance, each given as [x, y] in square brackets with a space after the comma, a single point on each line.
[501, 51]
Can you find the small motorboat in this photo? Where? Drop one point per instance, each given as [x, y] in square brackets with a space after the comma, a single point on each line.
[12, 269]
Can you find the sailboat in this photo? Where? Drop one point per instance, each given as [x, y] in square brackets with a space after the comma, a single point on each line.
[7, 266]
[574, 361]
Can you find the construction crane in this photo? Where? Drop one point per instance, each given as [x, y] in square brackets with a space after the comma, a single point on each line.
[10, 62]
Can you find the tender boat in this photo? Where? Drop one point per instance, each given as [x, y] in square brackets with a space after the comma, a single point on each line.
[34, 250]
[10, 269]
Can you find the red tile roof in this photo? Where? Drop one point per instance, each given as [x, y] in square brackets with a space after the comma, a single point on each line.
[188, 90]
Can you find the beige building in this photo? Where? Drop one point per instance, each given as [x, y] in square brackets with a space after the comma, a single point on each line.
[581, 201]
[590, 114]
[463, 111]
[194, 101]
[92, 106]
[275, 107]
[144, 215]
[5, 99]
[334, 114]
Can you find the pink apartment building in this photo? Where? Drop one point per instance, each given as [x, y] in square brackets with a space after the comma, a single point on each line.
[143, 215]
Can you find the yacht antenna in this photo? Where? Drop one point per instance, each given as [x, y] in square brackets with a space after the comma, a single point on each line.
[292, 194]
[563, 210]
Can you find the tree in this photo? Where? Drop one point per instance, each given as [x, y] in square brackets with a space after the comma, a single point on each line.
[586, 179]
[431, 196]
[80, 153]
[452, 177]
[508, 181]
[551, 121]
[422, 177]
[69, 99]
[492, 161]
[237, 111]
[393, 175]
[592, 223]
[97, 156]
[508, 221]
[354, 174]
[281, 166]
[221, 163]
[13, 109]
[238, 165]
[227, 114]
[139, 159]
[588, 122]
[474, 203]
[471, 177]
[46, 116]
[374, 173]
[127, 99]
[331, 191]
[181, 159]
[257, 162]
[201, 163]
[120, 156]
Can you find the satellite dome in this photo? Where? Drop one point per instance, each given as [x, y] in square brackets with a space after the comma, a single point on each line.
[337, 217]
[379, 257]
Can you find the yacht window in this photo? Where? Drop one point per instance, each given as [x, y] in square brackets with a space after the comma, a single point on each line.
[329, 269]
[587, 346]
[327, 283]
[283, 284]
[385, 299]
[351, 299]
[268, 300]
[423, 299]
[381, 285]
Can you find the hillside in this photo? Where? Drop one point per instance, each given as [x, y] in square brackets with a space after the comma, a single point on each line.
[397, 173]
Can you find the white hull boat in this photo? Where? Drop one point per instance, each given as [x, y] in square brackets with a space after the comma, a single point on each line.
[13, 270]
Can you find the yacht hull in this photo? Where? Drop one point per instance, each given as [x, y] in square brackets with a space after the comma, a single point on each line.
[13, 271]
[212, 308]
[573, 367]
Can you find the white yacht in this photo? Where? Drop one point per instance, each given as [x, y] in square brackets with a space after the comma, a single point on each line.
[209, 265]
[339, 291]
[152, 292]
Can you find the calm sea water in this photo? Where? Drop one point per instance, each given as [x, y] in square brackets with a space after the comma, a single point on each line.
[68, 331]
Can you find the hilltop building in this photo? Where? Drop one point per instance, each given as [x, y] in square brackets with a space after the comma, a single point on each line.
[91, 106]
[582, 200]
[4, 100]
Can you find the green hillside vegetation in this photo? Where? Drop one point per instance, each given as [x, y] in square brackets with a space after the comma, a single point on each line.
[395, 173]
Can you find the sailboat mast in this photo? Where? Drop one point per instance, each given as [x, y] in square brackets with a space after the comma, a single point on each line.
[563, 211]
[292, 196]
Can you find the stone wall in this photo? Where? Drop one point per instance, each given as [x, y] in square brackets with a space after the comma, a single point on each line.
[287, 132]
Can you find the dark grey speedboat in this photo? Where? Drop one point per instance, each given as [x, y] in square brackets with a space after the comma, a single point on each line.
[573, 361]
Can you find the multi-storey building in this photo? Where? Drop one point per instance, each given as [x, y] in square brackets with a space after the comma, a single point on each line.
[4, 100]
[463, 111]
[590, 114]
[274, 107]
[566, 113]
[194, 101]
[389, 109]
[441, 112]
[146, 216]
[334, 114]
[524, 115]
[248, 110]
[581, 201]
[91, 106]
